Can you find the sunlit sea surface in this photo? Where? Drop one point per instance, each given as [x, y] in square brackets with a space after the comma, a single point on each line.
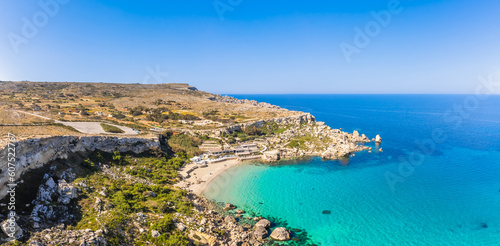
[451, 196]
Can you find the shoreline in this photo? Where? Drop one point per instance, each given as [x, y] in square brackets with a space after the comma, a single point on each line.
[199, 179]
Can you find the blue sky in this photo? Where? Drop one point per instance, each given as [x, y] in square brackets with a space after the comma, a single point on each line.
[255, 46]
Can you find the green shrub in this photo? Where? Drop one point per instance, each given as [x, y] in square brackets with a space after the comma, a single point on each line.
[87, 163]
[186, 143]
[164, 225]
[110, 128]
[293, 144]
[119, 116]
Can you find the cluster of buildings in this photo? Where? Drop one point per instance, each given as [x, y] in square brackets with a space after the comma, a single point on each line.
[216, 153]
[200, 122]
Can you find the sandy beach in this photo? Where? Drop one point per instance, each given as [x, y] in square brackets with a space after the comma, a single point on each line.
[201, 177]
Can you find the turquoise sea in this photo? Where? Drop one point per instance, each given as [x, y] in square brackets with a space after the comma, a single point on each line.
[419, 191]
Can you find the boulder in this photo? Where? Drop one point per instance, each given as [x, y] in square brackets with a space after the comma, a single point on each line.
[11, 229]
[263, 223]
[330, 153]
[47, 191]
[378, 139]
[239, 211]
[260, 232]
[66, 191]
[229, 206]
[155, 233]
[180, 226]
[280, 234]
[229, 219]
[272, 155]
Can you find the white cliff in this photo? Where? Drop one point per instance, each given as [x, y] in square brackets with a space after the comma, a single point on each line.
[35, 153]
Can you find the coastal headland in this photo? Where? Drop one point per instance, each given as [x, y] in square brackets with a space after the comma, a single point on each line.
[145, 184]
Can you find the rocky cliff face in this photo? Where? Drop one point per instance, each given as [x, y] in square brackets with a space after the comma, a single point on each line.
[35, 153]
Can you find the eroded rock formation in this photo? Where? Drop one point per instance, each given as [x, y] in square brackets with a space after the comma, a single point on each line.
[35, 153]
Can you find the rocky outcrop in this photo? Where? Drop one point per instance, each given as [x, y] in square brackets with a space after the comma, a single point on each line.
[313, 139]
[228, 99]
[66, 192]
[229, 219]
[263, 223]
[59, 236]
[11, 229]
[207, 223]
[229, 206]
[280, 234]
[272, 155]
[260, 232]
[51, 203]
[321, 139]
[35, 153]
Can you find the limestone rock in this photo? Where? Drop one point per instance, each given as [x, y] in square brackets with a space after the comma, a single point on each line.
[180, 226]
[263, 223]
[10, 228]
[272, 155]
[36, 152]
[66, 191]
[229, 206]
[59, 236]
[280, 234]
[155, 233]
[260, 232]
[229, 219]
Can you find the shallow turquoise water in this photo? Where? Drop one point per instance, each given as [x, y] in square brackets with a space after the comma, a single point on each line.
[451, 198]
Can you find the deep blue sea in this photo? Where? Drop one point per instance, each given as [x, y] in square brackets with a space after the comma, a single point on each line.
[437, 181]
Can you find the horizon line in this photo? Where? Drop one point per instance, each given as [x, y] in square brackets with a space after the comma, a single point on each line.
[250, 93]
